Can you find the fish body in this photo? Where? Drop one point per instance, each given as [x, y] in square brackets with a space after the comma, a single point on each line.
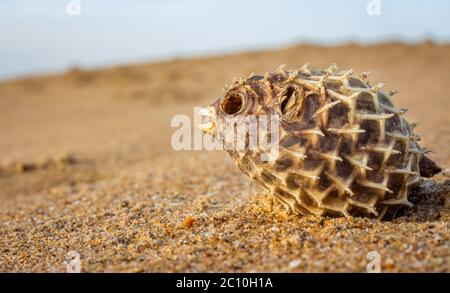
[343, 148]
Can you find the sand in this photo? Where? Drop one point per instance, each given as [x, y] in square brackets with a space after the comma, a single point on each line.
[86, 166]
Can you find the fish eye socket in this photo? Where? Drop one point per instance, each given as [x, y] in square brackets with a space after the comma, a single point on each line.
[287, 98]
[232, 103]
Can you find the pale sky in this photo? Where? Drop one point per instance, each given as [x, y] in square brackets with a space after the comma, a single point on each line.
[39, 36]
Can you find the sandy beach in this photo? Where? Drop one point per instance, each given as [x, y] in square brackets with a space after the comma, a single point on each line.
[86, 165]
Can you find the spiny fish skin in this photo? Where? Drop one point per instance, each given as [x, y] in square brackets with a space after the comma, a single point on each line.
[344, 148]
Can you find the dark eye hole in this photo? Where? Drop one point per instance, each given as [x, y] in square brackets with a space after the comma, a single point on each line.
[288, 99]
[232, 104]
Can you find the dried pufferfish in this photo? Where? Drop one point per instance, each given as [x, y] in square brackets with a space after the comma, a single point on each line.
[344, 149]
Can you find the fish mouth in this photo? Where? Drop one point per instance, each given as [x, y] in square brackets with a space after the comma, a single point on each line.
[209, 126]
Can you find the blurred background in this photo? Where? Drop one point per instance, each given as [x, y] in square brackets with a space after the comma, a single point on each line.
[53, 35]
[88, 90]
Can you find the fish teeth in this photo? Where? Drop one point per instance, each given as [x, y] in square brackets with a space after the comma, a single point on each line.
[206, 127]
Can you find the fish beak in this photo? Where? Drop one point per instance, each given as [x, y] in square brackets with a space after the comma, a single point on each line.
[209, 126]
